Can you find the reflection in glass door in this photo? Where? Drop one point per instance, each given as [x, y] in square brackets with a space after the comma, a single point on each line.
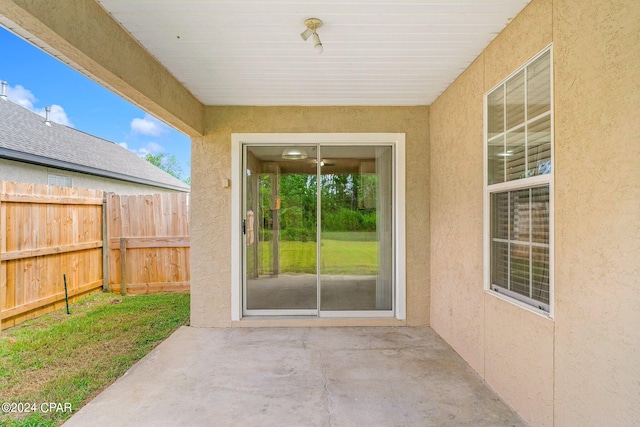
[280, 229]
[356, 244]
[318, 249]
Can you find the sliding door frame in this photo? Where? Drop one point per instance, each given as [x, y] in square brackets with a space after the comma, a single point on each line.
[397, 140]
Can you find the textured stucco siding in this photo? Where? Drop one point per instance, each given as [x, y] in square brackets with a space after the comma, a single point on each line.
[597, 157]
[456, 216]
[211, 220]
[34, 174]
[581, 367]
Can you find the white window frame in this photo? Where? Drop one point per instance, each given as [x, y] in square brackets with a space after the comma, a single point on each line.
[395, 139]
[519, 184]
[66, 179]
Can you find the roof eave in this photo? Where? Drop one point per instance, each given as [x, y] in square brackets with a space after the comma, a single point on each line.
[34, 159]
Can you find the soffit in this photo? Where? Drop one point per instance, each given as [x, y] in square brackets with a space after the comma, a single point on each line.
[376, 52]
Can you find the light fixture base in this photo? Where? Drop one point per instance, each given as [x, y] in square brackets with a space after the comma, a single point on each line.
[313, 23]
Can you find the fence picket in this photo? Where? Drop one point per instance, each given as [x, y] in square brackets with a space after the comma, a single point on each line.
[48, 231]
[155, 233]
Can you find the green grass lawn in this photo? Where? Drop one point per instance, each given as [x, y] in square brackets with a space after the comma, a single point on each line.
[71, 358]
[337, 257]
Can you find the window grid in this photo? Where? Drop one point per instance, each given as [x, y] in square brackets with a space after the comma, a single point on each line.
[503, 135]
[536, 172]
[529, 121]
[512, 240]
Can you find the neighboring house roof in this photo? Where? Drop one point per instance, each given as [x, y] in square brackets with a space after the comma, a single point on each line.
[25, 137]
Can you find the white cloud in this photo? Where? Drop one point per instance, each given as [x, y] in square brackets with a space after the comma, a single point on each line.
[148, 148]
[57, 115]
[26, 98]
[148, 125]
[21, 96]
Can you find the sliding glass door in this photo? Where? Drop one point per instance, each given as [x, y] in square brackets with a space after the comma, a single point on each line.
[318, 230]
[280, 230]
[356, 245]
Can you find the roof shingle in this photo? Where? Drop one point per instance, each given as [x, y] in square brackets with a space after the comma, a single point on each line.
[24, 136]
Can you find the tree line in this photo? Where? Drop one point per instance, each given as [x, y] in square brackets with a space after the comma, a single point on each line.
[169, 164]
[348, 204]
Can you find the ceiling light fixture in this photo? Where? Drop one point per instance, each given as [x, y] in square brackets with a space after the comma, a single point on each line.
[312, 26]
[508, 153]
[294, 154]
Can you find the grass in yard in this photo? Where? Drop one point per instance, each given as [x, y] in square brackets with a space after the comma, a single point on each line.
[349, 257]
[297, 257]
[71, 358]
[337, 257]
[351, 236]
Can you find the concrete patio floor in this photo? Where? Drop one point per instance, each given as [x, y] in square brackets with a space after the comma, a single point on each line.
[352, 376]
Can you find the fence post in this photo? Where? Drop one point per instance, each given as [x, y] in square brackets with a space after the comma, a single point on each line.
[105, 246]
[123, 265]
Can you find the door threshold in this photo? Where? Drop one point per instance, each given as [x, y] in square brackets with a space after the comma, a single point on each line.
[313, 321]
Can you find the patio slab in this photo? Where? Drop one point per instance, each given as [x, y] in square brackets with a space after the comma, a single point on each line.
[355, 376]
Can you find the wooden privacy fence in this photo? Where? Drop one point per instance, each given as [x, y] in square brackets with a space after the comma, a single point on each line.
[45, 233]
[148, 243]
[133, 244]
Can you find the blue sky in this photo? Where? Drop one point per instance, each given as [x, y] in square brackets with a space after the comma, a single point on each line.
[37, 80]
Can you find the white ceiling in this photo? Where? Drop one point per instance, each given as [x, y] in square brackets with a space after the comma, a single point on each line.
[376, 52]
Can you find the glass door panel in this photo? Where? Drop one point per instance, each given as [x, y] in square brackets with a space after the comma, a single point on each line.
[356, 238]
[292, 264]
[280, 227]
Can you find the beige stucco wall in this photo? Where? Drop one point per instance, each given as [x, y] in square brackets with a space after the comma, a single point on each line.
[456, 216]
[583, 366]
[597, 122]
[34, 174]
[211, 215]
